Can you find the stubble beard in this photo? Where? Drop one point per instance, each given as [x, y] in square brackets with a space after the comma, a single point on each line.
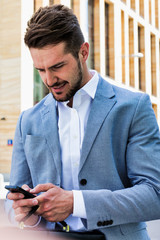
[69, 95]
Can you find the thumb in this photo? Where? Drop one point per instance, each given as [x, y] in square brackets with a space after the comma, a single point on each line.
[42, 188]
[26, 187]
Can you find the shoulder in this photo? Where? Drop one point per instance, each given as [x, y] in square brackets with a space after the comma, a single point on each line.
[33, 114]
[121, 94]
[39, 106]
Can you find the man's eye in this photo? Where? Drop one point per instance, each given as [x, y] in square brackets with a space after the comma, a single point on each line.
[58, 66]
[41, 70]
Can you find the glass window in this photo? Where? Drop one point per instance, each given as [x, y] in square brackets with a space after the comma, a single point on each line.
[109, 39]
[40, 90]
[153, 65]
[91, 32]
[131, 52]
[51, 2]
[141, 61]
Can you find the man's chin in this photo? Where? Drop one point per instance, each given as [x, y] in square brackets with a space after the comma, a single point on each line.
[59, 98]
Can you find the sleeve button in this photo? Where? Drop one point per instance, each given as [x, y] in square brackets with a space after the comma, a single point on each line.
[111, 222]
[99, 224]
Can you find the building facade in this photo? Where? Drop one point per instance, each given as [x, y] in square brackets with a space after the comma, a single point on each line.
[124, 38]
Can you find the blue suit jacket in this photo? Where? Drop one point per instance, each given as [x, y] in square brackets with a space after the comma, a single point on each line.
[119, 172]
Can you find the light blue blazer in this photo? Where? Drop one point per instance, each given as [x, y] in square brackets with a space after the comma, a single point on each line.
[119, 172]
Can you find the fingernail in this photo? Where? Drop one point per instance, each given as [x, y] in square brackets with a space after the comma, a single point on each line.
[35, 202]
[21, 195]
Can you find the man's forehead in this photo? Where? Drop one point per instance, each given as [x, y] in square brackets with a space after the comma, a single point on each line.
[49, 56]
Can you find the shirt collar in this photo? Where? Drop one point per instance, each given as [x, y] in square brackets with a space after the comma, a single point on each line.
[89, 88]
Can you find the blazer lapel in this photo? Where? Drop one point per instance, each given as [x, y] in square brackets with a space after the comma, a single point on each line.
[50, 128]
[101, 106]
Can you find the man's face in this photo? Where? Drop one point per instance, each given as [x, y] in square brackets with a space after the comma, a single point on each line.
[60, 71]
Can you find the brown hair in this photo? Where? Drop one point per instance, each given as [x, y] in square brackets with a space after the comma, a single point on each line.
[53, 25]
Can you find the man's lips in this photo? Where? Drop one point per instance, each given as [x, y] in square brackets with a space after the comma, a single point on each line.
[58, 87]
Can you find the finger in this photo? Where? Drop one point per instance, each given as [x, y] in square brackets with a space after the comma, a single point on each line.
[42, 188]
[19, 217]
[26, 187]
[15, 196]
[47, 196]
[25, 202]
[22, 210]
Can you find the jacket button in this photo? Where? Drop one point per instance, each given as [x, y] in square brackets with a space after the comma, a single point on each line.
[99, 224]
[83, 182]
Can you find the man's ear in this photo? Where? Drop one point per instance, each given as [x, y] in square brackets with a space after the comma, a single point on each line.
[84, 52]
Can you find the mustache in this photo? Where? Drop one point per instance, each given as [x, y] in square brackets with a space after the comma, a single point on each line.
[57, 84]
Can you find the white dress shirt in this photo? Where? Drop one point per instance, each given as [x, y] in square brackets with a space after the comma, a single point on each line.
[72, 124]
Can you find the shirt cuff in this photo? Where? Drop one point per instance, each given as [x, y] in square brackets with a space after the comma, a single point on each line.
[79, 209]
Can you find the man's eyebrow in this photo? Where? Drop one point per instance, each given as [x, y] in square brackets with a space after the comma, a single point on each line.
[53, 66]
[57, 64]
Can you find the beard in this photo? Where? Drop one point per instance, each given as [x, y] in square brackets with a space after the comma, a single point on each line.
[77, 81]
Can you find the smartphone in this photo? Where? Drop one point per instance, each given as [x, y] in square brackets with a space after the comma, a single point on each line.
[17, 189]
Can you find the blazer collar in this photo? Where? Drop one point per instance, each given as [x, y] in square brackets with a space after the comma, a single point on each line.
[101, 106]
[50, 128]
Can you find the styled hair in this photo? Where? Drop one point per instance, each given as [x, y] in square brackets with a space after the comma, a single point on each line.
[53, 25]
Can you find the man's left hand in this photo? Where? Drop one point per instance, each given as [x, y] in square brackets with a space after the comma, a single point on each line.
[55, 204]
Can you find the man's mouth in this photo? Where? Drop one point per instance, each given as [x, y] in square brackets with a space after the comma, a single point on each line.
[58, 87]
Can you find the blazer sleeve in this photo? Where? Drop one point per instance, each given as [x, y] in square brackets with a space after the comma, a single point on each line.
[20, 173]
[141, 201]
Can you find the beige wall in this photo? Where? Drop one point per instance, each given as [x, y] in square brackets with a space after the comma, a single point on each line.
[10, 26]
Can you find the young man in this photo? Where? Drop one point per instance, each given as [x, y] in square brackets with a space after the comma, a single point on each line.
[90, 150]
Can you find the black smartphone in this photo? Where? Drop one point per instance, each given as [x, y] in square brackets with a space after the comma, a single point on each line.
[17, 189]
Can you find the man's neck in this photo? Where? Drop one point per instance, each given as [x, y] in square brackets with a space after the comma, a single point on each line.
[70, 103]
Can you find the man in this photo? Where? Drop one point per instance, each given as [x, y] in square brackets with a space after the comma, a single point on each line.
[90, 150]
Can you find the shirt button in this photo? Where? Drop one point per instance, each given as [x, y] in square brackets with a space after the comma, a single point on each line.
[83, 182]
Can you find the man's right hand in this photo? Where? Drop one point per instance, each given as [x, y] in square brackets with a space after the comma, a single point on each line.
[23, 206]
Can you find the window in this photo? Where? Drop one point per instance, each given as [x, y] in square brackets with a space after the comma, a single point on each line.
[133, 6]
[153, 65]
[131, 51]
[96, 35]
[91, 32]
[109, 39]
[72, 4]
[141, 61]
[40, 90]
[141, 8]
[123, 45]
[51, 2]
[37, 4]
[75, 5]
[155, 109]
[150, 11]
[156, 14]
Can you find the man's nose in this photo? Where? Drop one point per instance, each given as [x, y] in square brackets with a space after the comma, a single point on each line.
[51, 79]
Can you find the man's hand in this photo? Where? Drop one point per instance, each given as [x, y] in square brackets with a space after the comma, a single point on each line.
[23, 206]
[55, 204]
